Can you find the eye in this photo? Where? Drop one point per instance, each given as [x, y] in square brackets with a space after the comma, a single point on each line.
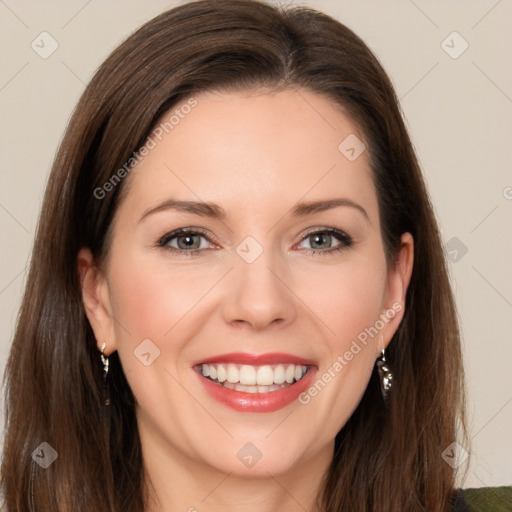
[190, 242]
[185, 241]
[326, 241]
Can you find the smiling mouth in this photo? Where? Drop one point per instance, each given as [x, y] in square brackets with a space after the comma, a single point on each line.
[251, 378]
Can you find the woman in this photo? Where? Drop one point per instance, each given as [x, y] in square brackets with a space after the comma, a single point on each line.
[237, 297]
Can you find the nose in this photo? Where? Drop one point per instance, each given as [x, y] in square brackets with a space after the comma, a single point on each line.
[257, 295]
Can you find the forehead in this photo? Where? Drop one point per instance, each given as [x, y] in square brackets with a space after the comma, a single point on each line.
[253, 152]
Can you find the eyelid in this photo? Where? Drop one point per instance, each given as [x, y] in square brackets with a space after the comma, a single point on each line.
[343, 236]
[162, 241]
[324, 229]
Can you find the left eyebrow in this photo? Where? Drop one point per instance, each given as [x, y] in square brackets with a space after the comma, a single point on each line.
[303, 209]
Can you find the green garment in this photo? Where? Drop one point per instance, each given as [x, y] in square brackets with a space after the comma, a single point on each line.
[488, 499]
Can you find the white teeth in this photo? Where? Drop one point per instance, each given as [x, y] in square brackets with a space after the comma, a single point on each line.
[265, 376]
[248, 375]
[252, 378]
[247, 389]
[290, 374]
[256, 389]
[279, 374]
[232, 373]
[221, 373]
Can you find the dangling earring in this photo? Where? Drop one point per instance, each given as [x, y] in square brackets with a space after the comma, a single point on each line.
[104, 360]
[385, 375]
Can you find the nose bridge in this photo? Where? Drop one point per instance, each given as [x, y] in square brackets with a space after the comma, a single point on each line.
[256, 293]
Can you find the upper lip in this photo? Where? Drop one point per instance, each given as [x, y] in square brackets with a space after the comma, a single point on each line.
[256, 359]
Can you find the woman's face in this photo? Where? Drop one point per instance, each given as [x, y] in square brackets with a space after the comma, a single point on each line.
[283, 262]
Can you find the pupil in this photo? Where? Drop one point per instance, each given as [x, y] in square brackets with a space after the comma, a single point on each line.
[187, 242]
[318, 239]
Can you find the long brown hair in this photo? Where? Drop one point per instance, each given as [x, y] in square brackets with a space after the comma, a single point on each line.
[385, 459]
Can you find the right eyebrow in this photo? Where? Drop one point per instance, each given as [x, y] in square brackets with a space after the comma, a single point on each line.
[198, 208]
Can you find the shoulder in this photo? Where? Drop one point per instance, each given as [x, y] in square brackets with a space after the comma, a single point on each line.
[483, 499]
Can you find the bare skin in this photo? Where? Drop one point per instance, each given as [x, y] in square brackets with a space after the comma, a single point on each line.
[255, 155]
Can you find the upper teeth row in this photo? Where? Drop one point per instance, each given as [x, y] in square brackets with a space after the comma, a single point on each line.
[252, 375]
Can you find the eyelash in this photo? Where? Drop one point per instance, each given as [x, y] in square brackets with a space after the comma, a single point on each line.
[343, 237]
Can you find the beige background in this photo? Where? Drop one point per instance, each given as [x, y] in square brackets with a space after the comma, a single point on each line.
[459, 111]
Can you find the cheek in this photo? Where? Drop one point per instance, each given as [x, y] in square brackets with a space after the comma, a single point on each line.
[157, 304]
[349, 303]
[347, 298]
[150, 301]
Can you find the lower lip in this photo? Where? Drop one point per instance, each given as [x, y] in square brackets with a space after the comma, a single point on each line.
[258, 402]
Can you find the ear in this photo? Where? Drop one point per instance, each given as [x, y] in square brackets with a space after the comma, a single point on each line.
[399, 277]
[96, 299]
